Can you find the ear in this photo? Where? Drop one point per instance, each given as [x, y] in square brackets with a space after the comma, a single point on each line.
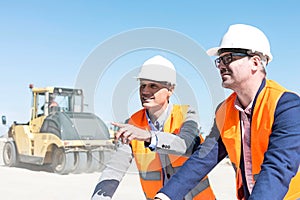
[171, 90]
[256, 61]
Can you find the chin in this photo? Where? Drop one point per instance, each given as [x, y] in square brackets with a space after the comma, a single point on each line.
[146, 105]
[227, 86]
[224, 85]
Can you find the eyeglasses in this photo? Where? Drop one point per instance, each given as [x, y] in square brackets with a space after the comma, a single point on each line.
[228, 58]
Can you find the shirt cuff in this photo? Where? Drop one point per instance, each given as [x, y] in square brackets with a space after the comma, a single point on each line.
[162, 196]
[152, 145]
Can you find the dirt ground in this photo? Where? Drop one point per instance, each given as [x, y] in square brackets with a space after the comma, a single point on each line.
[34, 183]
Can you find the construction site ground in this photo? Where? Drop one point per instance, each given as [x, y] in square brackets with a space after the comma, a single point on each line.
[35, 183]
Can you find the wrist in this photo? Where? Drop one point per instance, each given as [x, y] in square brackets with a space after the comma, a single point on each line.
[148, 137]
[161, 196]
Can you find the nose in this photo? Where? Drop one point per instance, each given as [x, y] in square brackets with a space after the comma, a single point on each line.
[221, 65]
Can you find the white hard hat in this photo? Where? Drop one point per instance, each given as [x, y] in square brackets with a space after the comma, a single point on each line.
[242, 36]
[159, 69]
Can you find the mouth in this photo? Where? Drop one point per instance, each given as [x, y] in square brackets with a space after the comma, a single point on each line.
[225, 72]
[147, 99]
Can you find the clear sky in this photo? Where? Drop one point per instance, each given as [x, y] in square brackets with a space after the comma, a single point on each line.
[47, 43]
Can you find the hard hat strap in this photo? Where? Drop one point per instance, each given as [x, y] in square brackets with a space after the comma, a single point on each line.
[234, 50]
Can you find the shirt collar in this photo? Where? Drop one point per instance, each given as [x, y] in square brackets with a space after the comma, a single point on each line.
[161, 119]
[239, 107]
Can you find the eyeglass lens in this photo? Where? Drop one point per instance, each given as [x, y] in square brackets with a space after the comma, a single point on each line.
[228, 58]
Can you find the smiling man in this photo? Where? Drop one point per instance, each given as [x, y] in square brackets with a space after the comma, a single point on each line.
[257, 126]
[159, 137]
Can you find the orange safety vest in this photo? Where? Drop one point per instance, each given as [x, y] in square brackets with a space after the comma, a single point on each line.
[228, 123]
[148, 162]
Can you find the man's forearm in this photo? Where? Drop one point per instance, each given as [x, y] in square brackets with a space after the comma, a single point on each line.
[193, 171]
[113, 173]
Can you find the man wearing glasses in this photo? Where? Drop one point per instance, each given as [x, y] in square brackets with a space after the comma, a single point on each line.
[159, 137]
[257, 126]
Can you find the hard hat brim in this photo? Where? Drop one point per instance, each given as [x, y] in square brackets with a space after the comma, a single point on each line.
[213, 51]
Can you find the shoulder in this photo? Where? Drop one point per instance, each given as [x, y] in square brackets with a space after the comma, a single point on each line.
[139, 113]
[224, 104]
[184, 108]
[288, 101]
[290, 96]
[188, 113]
[288, 109]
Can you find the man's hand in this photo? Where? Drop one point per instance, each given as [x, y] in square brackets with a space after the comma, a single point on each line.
[128, 132]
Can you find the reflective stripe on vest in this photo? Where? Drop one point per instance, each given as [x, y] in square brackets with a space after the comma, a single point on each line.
[156, 175]
[203, 185]
[261, 122]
